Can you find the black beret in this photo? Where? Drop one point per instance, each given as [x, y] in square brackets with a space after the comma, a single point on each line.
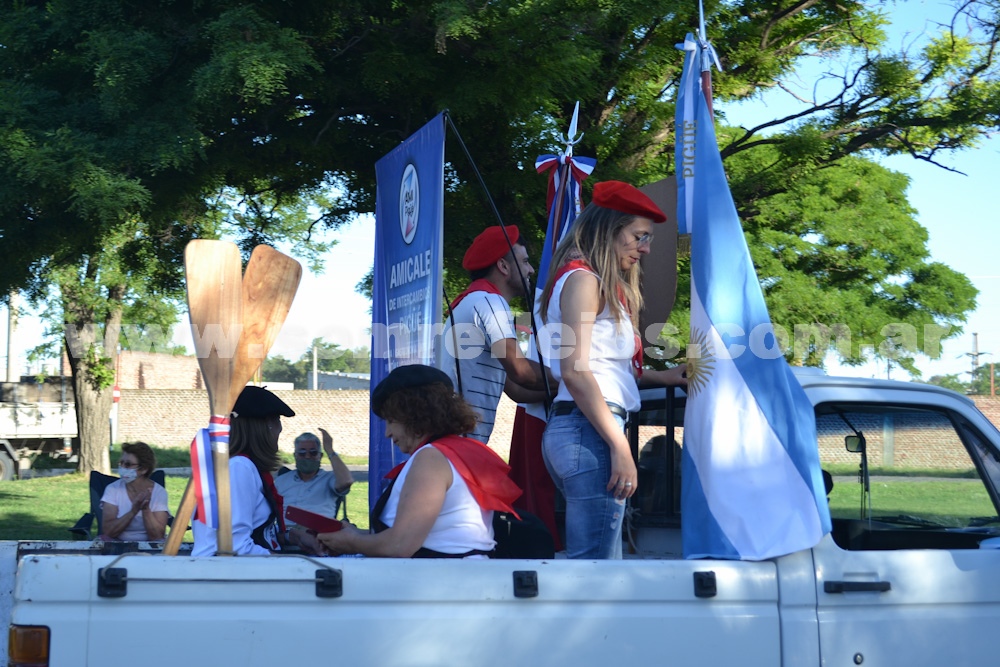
[260, 403]
[412, 375]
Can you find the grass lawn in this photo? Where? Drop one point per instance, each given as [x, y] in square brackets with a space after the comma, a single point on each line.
[948, 502]
[46, 507]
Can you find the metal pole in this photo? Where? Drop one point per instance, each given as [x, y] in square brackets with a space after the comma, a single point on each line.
[315, 368]
[13, 374]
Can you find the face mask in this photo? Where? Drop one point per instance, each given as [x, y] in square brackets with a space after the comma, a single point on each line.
[307, 466]
[128, 474]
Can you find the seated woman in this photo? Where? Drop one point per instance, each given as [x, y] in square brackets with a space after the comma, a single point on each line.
[257, 514]
[441, 501]
[134, 508]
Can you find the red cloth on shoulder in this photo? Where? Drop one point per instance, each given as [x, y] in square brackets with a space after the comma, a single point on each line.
[481, 285]
[484, 472]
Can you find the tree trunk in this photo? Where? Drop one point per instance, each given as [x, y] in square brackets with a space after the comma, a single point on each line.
[93, 409]
[92, 353]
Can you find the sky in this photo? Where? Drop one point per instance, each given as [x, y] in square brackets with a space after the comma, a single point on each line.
[960, 213]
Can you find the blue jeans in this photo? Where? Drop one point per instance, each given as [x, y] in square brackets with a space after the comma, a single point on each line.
[580, 464]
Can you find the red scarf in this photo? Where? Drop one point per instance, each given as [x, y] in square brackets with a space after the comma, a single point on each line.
[480, 285]
[484, 472]
[574, 264]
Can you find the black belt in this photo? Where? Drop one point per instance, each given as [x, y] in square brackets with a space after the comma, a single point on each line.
[565, 407]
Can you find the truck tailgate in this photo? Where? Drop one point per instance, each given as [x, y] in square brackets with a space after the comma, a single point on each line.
[265, 610]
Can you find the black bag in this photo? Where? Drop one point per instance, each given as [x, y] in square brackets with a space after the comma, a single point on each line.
[527, 537]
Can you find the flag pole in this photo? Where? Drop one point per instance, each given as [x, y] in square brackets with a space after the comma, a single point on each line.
[566, 167]
[707, 55]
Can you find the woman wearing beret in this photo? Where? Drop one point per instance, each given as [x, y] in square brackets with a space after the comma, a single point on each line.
[441, 501]
[592, 298]
[258, 517]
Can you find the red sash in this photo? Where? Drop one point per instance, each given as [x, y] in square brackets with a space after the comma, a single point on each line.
[637, 341]
[481, 285]
[484, 472]
[271, 493]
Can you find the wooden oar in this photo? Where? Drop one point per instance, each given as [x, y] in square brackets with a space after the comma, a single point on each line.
[268, 288]
[269, 285]
[215, 302]
[181, 520]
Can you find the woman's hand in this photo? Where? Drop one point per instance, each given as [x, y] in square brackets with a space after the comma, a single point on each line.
[142, 500]
[305, 540]
[340, 542]
[624, 477]
[670, 377]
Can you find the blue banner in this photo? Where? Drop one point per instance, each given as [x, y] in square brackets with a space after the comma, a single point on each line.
[406, 288]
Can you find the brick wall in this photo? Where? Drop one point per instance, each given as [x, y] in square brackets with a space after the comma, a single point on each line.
[169, 417]
[146, 370]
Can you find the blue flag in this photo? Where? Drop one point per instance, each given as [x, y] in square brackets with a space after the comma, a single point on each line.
[753, 488]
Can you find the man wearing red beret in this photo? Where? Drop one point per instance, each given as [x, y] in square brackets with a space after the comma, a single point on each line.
[482, 356]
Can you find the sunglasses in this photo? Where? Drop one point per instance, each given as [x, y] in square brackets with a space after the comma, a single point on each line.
[643, 241]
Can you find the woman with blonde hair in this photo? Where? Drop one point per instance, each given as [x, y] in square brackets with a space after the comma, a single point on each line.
[590, 309]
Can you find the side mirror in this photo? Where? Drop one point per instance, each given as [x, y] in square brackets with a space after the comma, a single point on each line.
[855, 443]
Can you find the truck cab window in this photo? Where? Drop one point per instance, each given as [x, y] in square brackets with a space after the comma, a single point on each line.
[921, 488]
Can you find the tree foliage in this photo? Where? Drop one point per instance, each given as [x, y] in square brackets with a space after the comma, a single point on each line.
[130, 127]
[982, 381]
[330, 358]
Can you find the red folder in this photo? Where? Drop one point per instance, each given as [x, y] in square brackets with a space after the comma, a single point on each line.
[314, 523]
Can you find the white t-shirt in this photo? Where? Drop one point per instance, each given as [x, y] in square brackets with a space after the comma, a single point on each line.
[318, 495]
[116, 494]
[461, 526]
[481, 319]
[612, 345]
[249, 509]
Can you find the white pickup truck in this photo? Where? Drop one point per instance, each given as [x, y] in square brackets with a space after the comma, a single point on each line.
[909, 576]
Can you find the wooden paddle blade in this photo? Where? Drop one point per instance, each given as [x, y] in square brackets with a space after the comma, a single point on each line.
[181, 520]
[215, 302]
[269, 285]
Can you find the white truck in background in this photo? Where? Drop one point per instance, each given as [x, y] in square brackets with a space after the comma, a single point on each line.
[35, 418]
[909, 576]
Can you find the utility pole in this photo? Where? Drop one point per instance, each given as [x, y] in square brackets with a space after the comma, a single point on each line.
[315, 378]
[13, 373]
[975, 354]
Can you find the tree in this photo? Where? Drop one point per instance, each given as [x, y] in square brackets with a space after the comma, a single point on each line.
[953, 382]
[331, 358]
[983, 381]
[279, 369]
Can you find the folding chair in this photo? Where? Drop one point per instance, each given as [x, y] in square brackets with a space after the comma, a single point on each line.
[98, 483]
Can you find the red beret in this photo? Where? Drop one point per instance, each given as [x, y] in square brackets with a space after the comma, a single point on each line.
[489, 247]
[619, 196]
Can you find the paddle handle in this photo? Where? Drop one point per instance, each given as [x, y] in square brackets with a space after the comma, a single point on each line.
[181, 521]
[224, 536]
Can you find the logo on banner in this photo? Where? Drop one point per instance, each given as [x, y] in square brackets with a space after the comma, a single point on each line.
[409, 203]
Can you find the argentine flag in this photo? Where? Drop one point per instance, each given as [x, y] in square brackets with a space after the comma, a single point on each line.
[753, 487]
